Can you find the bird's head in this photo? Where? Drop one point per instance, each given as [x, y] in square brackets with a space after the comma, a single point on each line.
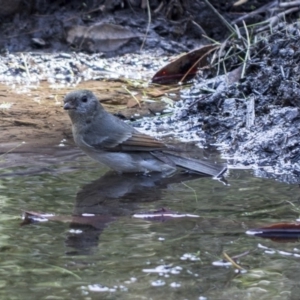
[81, 103]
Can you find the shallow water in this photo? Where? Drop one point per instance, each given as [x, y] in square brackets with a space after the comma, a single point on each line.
[118, 256]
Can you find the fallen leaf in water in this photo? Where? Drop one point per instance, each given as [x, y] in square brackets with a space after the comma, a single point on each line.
[278, 231]
[99, 37]
[162, 215]
[97, 221]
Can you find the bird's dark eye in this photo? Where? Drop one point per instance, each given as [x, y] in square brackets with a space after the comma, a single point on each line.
[84, 99]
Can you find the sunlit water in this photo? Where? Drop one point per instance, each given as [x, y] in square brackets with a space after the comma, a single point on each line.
[122, 257]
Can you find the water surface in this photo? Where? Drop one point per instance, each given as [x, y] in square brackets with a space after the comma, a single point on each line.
[117, 256]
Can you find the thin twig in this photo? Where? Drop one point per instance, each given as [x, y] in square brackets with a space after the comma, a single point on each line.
[12, 149]
[159, 8]
[196, 197]
[289, 4]
[247, 56]
[199, 27]
[228, 258]
[250, 116]
[257, 11]
[195, 64]
[274, 20]
[148, 26]
[131, 94]
[26, 66]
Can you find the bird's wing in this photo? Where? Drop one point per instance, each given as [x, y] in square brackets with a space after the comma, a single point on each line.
[141, 142]
[119, 136]
[129, 141]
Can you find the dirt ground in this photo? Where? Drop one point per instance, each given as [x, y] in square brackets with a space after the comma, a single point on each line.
[30, 121]
[37, 116]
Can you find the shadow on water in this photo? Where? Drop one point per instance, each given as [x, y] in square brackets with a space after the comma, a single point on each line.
[95, 248]
[112, 196]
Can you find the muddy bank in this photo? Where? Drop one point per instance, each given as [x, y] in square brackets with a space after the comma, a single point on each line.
[34, 85]
[254, 122]
[35, 114]
[258, 119]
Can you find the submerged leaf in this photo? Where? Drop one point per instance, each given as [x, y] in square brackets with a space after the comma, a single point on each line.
[278, 231]
[162, 215]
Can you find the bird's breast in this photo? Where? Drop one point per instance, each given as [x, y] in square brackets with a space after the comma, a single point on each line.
[77, 135]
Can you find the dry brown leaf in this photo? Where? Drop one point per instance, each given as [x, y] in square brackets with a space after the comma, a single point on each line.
[185, 67]
[99, 37]
[132, 103]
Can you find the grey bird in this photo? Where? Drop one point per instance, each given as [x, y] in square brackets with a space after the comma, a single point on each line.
[118, 145]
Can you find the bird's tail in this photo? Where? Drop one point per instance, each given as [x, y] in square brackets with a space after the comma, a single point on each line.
[197, 165]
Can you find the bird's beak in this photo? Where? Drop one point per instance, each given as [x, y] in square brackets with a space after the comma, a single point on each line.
[68, 106]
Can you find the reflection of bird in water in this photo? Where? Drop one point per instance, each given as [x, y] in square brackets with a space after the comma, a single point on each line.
[112, 196]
